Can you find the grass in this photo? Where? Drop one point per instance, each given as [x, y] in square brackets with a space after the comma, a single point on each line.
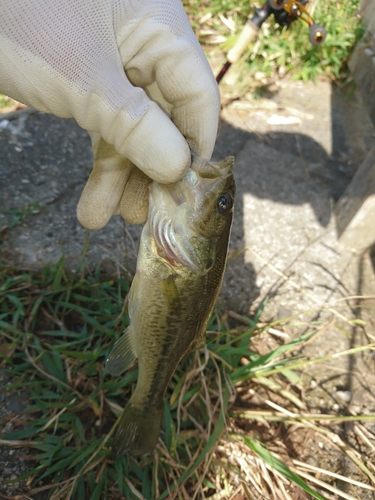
[5, 103]
[56, 331]
[279, 51]
[19, 215]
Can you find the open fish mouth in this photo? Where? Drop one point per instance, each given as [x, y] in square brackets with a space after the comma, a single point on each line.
[177, 238]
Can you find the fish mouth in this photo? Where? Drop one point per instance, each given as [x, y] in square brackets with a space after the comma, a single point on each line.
[176, 241]
[211, 170]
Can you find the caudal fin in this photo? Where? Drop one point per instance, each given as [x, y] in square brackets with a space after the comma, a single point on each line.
[138, 431]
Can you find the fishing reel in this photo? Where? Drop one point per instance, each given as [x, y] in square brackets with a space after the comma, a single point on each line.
[285, 12]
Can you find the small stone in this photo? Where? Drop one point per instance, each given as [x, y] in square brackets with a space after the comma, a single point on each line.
[311, 461]
[345, 396]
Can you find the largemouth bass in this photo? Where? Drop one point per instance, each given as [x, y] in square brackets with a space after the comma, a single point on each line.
[180, 266]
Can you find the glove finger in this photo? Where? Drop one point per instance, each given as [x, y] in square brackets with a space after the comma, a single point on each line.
[185, 81]
[194, 93]
[134, 201]
[101, 196]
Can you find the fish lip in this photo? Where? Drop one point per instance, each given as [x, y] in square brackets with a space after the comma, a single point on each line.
[210, 170]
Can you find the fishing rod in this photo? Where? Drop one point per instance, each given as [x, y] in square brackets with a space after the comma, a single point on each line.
[285, 12]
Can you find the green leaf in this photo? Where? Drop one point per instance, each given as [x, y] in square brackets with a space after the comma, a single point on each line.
[53, 364]
[292, 376]
[98, 491]
[280, 467]
[60, 465]
[146, 482]
[79, 490]
[16, 301]
[88, 451]
[80, 429]
[21, 434]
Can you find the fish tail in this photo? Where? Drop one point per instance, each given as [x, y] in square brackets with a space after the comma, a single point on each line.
[138, 430]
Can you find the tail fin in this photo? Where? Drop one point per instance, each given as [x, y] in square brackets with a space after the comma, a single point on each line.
[138, 431]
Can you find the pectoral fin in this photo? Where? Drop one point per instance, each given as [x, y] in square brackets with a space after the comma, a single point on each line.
[122, 355]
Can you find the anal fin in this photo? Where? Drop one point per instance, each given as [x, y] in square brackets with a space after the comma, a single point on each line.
[122, 355]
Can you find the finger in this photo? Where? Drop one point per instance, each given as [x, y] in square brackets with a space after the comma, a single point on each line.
[101, 196]
[185, 81]
[134, 201]
[194, 93]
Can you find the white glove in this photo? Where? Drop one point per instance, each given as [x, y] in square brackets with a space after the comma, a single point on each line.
[68, 57]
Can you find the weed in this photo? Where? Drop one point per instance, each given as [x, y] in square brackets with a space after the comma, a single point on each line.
[5, 102]
[19, 214]
[56, 332]
[279, 51]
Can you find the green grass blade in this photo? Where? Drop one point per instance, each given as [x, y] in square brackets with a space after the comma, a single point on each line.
[280, 467]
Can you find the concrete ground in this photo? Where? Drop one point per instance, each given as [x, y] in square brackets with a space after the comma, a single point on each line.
[297, 148]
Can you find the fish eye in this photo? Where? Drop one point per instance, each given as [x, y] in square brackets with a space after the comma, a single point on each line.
[224, 203]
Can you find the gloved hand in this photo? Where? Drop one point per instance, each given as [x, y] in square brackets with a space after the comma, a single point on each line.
[68, 57]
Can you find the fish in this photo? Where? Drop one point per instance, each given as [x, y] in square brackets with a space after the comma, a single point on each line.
[180, 266]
